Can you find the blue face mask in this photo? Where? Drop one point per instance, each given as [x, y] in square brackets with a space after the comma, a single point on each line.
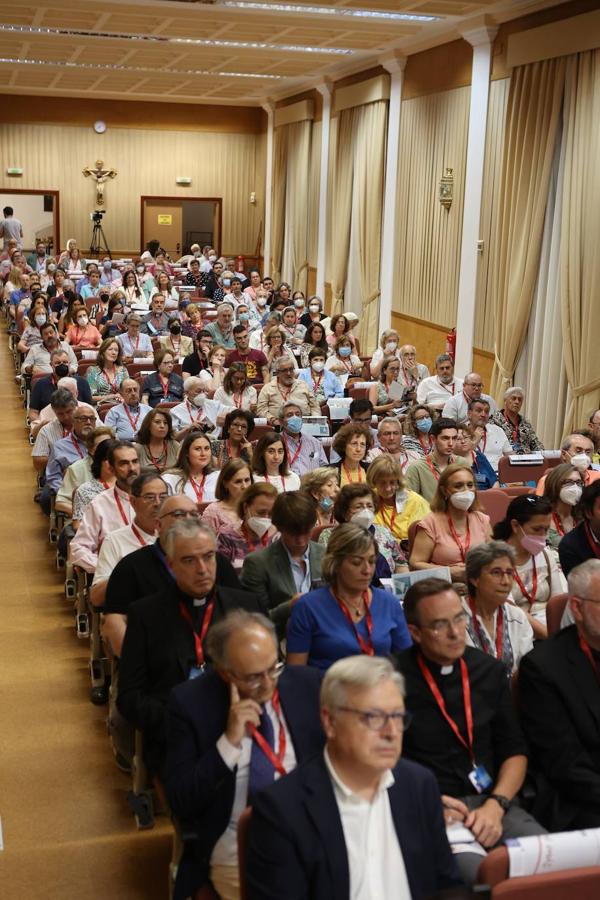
[345, 351]
[326, 503]
[424, 425]
[243, 317]
[227, 282]
[294, 424]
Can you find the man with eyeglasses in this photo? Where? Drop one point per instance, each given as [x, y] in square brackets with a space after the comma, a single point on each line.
[357, 820]
[456, 406]
[66, 451]
[283, 388]
[165, 640]
[559, 698]
[464, 724]
[198, 361]
[230, 734]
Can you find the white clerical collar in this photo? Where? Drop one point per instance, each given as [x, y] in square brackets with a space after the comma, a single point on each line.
[446, 670]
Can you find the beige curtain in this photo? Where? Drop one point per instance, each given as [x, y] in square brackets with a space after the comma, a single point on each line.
[580, 254]
[313, 201]
[341, 206]
[295, 246]
[278, 203]
[532, 123]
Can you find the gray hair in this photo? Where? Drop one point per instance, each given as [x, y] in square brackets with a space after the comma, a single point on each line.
[580, 579]
[287, 405]
[513, 391]
[68, 383]
[192, 382]
[357, 673]
[56, 353]
[443, 357]
[345, 540]
[62, 399]
[566, 444]
[484, 554]
[389, 420]
[185, 528]
[239, 620]
[280, 360]
[83, 407]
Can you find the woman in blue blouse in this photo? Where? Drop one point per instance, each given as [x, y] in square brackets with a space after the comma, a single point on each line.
[347, 616]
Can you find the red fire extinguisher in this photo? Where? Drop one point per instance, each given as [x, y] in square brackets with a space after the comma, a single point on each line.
[239, 261]
[451, 343]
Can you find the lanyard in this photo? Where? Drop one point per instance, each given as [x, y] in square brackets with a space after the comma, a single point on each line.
[499, 627]
[292, 459]
[283, 487]
[198, 488]
[360, 478]
[237, 399]
[558, 524]
[365, 646]
[434, 471]
[514, 428]
[137, 534]
[133, 422]
[164, 384]
[428, 447]
[275, 760]
[585, 647]
[76, 445]
[172, 342]
[447, 389]
[393, 516]
[120, 508]
[530, 597]
[317, 383]
[193, 419]
[263, 540]
[111, 384]
[155, 460]
[137, 344]
[198, 639]
[466, 689]
[229, 450]
[484, 439]
[285, 394]
[463, 549]
[590, 537]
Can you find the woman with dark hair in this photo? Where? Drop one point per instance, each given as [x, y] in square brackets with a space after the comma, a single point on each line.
[234, 478]
[563, 488]
[194, 475]
[343, 360]
[102, 478]
[347, 616]
[293, 331]
[133, 292]
[417, 426]
[283, 294]
[352, 443]
[234, 443]
[236, 390]
[255, 530]
[536, 573]
[165, 288]
[275, 348]
[109, 327]
[164, 385]
[314, 338]
[67, 319]
[379, 394]
[155, 444]
[107, 376]
[270, 464]
[314, 313]
[322, 383]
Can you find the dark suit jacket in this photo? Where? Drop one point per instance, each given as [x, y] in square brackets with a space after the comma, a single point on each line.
[573, 549]
[199, 785]
[296, 844]
[158, 652]
[560, 712]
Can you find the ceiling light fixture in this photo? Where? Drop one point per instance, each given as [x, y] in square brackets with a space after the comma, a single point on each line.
[65, 64]
[333, 11]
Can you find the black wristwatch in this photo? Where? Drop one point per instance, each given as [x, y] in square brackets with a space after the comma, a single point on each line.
[501, 800]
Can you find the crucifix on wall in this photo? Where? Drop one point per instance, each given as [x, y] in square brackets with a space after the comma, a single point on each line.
[101, 176]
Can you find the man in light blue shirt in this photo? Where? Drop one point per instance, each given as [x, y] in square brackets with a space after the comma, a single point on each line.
[126, 418]
[66, 451]
[304, 451]
[222, 329]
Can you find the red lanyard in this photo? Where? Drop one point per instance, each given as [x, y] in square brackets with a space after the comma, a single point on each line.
[365, 646]
[66, 432]
[360, 478]
[191, 413]
[138, 535]
[237, 400]
[76, 445]
[198, 639]
[133, 422]
[137, 343]
[165, 385]
[499, 627]
[466, 689]
[155, 460]
[111, 384]
[447, 389]
[585, 647]
[558, 524]
[317, 383]
[530, 597]
[590, 537]
[229, 449]
[275, 760]
[421, 443]
[284, 394]
[198, 488]
[393, 515]
[120, 508]
[434, 471]
[175, 348]
[407, 381]
[479, 447]
[515, 428]
[263, 540]
[463, 549]
[296, 454]
[283, 487]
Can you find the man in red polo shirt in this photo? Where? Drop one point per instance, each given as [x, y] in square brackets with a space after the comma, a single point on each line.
[257, 367]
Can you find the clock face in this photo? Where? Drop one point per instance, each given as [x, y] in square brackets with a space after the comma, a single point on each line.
[99, 127]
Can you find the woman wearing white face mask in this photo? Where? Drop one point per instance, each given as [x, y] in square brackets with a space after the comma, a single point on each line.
[323, 384]
[454, 525]
[313, 313]
[82, 335]
[563, 488]
[255, 532]
[537, 576]
[389, 345]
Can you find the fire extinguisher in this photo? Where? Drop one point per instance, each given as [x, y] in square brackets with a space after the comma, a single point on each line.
[451, 343]
[239, 261]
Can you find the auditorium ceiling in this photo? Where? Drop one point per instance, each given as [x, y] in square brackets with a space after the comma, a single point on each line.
[240, 52]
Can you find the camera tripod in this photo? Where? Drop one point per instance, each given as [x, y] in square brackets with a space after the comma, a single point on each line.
[99, 244]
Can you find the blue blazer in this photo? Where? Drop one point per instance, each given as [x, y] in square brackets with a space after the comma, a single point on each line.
[296, 847]
[199, 785]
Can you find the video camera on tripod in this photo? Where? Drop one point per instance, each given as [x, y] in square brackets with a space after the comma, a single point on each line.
[98, 243]
[97, 215]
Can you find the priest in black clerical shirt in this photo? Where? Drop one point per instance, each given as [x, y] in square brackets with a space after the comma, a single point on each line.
[464, 727]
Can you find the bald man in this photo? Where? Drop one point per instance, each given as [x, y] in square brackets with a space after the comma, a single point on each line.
[457, 406]
[126, 418]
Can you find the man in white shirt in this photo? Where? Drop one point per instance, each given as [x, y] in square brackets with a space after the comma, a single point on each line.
[231, 733]
[489, 439]
[456, 407]
[358, 822]
[437, 389]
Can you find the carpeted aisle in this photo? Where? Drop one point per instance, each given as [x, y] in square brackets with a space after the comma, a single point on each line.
[68, 833]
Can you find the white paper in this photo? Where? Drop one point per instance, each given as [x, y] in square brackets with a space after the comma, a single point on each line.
[338, 408]
[403, 580]
[526, 459]
[553, 852]
[89, 354]
[462, 840]
[396, 390]
[143, 361]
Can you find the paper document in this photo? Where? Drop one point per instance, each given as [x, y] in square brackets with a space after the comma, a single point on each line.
[526, 459]
[404, 580]
[553, 852]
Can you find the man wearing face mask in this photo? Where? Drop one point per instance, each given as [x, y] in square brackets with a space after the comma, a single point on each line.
[257, 367]
[110, 275]
[577, 449]
[190, 414]
[304, 451]
[323, 383]
[45, 387]
[37, 361]
[126, 418]
[157, 321]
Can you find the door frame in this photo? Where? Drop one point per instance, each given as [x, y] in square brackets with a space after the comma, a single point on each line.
[163, 199]
[56, 195]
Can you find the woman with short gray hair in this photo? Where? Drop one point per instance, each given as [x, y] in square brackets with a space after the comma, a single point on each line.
[346, 616]
[496, 625]
[519, 431]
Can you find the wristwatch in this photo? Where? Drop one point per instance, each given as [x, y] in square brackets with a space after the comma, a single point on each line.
[501, 800]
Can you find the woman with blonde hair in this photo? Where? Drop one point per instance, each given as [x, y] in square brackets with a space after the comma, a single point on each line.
[454, 525]
[397, 507]
[323, 486]
[389, 346]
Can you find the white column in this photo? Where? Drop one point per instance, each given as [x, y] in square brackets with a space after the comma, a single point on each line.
[270, 110]
[481, 40]
[395, 66]
[326, 90]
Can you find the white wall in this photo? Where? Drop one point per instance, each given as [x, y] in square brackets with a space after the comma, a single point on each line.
[29, 210]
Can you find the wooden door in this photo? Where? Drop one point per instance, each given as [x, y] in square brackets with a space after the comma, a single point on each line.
[163, 223]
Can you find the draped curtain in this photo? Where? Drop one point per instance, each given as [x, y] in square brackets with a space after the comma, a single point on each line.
[278, 203]
[341, 206]
[294, 265]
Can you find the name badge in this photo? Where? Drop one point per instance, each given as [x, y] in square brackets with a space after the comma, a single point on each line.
[197, 671]
[480, 779]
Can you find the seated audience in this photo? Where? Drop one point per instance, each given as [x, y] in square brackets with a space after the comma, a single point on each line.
[563, 488]
[357, 821]
[379, 394]
[412, 372]
[270, 463]
[496, 625]
[488, 439]
[190, 415]
[457, 406]
[339, 328]
[254, 361]
[577, 449]
[583, 542]
[518, 430]
[234, 443]
[176, 342]
[275, 348]
[66, 451]
[343, 362]
[389, 348]
[437, 389]
[221, 330]
[454, 525]
[323, 384]
[423, 475]
[194, 473]
[217, 758]
[293, 331]
[345, 616]
[236, 391]
[389, 443]
[255, 530]
[222, 514]
[101, 478]
[126, 417]
[164, 385]
[322, 485]
[480, 768]
[313, 312]
[166, 631]
[537, 576]
[397, 507]
[558, 702]
[284, 387]
[304, 452]
[155, 444]
[43, 389]
[417, 429]
[352, 444]
[108, 374]
[83, 335]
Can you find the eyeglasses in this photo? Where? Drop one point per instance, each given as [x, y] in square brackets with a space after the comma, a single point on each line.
[285, 371]
[156, 498]
[255, 680]
[377, 721]
[84, 418]
[441, 625]
[500, 573]
[182, 514]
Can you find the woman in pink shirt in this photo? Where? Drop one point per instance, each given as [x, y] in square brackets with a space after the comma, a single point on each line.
[82, 335]
[234, 478]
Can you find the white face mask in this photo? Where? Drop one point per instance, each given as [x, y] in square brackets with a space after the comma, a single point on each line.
[199, 399]
[39, 320]
[581, 461]
[570, 494]
[299, 303]
[259, 525]
[318, 366]
[262, 301]
[462, 499]
[212, 259]
[364, 518]
[314, 308]
[82, 321]
[390, 346]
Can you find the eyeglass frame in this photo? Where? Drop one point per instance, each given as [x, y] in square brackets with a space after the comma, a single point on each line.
[367, 717]
[441, 625]
[183, 514]
[254, 680]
